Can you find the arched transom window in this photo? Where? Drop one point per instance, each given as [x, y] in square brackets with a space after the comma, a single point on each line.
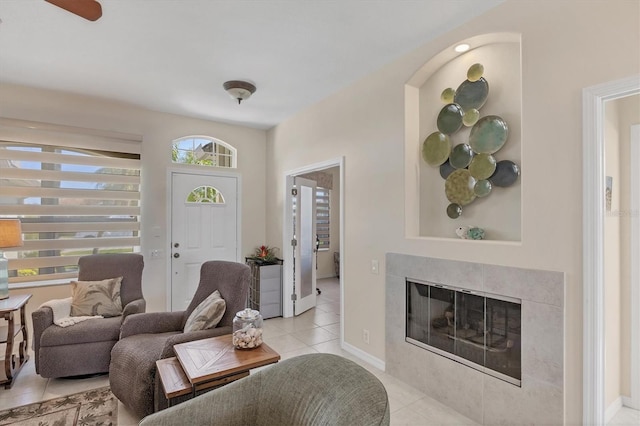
[205, 194]
[203, 151]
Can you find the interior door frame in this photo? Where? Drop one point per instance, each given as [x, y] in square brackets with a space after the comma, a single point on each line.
[287, 228]
[593, 174]
[209, 173]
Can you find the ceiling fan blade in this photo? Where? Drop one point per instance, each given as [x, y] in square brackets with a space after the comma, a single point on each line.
[87, 9]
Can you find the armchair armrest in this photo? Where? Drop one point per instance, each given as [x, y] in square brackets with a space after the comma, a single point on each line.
[151, 322]
[42, 318]
[137, 306]
[234, 404]
[168, 352]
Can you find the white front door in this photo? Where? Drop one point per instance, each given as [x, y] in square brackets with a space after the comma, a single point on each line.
[305, 249]
[204, 226]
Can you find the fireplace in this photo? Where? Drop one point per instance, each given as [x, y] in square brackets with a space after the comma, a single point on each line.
[536, 332]
[477, 329]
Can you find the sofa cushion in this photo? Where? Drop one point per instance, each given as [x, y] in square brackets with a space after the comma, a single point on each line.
[207, 314]
[92, 330]
[96, 298]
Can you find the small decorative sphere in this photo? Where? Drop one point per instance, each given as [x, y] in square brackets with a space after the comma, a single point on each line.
[475, 72]
[470, 117]
[482, 188]
[454, 210]
[447, 95]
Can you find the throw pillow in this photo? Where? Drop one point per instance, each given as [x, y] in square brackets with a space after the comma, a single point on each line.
[96, 298]
[207, 314]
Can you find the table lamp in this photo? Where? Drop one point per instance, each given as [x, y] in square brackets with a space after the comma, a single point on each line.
[10, 236]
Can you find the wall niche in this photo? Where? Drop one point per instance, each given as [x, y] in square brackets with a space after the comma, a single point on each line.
[428, 207]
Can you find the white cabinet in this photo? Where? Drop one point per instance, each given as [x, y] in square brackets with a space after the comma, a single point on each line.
[265, 289]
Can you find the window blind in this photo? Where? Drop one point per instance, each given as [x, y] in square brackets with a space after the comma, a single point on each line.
[71, 198]
[323, 218]
[323, 222]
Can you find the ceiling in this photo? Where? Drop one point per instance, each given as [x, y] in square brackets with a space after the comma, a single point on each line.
[173, 55]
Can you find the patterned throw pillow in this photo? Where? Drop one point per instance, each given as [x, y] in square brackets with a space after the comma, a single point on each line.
[207, 314]
[96, 298]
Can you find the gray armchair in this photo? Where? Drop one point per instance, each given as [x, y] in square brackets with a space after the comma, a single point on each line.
[314, 389]
[85, 347]
[146, 338]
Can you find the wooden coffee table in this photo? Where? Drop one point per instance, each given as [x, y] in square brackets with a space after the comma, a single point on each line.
[209, 363]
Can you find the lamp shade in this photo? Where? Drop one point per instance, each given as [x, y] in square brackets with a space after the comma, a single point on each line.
[10, 233]
[10, 236]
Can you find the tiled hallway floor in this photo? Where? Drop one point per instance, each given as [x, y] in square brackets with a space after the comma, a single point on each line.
[317, 330]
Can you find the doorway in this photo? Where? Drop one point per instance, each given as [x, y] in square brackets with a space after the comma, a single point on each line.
[205, 222]
[288, 251]
[594, 99]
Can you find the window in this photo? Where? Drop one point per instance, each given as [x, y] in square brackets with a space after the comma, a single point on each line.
[323, 217]
[205, 194]
[203, 151]
[71, 200]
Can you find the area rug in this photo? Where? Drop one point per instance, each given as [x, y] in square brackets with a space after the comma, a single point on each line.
[97, 407]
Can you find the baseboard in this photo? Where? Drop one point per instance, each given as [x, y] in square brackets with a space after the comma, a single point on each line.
[629, 402]
[376, 362]
[613, 409]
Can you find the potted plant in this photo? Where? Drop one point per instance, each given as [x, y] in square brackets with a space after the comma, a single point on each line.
[265, 254]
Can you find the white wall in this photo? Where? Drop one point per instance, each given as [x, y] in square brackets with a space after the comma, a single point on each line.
[158, 130]
[566, 46]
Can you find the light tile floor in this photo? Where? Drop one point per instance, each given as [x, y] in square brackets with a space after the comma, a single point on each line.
[625, 416]
[317, 330]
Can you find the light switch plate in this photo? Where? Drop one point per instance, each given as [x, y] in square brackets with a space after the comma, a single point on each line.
[375, 267]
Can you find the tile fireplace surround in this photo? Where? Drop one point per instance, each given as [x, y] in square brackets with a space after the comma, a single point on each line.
[481, 397]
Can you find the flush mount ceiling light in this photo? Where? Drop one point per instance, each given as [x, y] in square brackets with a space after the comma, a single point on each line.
[239, 90]
[461, 48]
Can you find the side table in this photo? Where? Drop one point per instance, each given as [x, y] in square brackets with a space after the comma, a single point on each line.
[13, 365]
[202, 365]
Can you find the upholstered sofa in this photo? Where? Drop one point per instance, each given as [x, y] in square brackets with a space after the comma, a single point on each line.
[313, 389]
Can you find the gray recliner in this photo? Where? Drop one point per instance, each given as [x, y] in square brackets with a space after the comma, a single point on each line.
[146, 338]
[314, 389]
[85, 347]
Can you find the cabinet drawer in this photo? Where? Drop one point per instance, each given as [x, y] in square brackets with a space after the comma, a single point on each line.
[271, 284]
[270, 271]
[267, 297]
[270, 311]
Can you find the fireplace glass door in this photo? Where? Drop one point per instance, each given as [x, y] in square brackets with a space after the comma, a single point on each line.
[474, 328]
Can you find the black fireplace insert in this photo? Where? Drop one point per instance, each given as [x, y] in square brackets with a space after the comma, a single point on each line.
[480, 330]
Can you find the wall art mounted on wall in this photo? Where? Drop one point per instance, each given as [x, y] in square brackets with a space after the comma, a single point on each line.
[470, 168]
